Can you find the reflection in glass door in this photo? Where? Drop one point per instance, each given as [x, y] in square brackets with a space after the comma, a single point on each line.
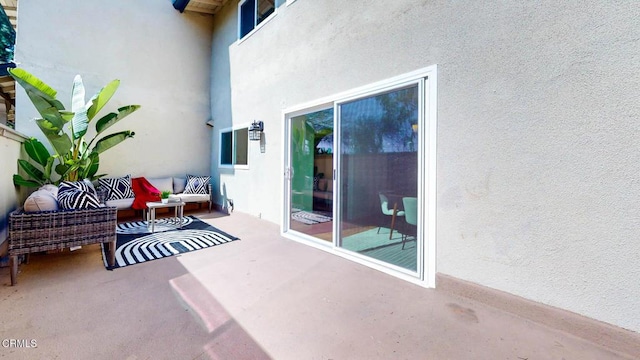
[379, 176]
[311, 174]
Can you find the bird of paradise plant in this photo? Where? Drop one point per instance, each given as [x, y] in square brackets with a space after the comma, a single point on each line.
[73, 157]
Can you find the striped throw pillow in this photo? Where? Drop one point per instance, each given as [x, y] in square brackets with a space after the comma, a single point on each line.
[197, 184]
[117, 188]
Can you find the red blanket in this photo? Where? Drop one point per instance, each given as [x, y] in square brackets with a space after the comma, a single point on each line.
[144, 192]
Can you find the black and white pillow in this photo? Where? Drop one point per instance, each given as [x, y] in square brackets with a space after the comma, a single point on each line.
[117, 188]
[197, 184]
[84, 185]
[77, 195]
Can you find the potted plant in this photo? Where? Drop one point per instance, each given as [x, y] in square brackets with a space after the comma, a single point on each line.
[164, 196]
[76, 155]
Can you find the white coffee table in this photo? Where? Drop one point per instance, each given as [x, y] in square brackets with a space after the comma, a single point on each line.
[151, 214]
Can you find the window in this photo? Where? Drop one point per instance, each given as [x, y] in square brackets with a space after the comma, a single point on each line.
[234, 145]
[253, 12]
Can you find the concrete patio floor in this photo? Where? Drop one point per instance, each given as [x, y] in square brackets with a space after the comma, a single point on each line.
[257, 298]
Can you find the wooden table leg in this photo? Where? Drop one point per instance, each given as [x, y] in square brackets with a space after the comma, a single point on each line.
[393, 219]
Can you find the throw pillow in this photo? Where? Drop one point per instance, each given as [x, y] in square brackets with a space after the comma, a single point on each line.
[179, 185]
[41, 200]
[84, 185]
[52, 189]
[117, 188]
[197, 184]
[77, 199]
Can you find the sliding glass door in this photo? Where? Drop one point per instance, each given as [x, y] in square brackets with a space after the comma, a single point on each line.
[311, 174]
[378, 160]
[359, 170]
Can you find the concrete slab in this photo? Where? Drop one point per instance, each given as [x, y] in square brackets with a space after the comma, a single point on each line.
[257, 298]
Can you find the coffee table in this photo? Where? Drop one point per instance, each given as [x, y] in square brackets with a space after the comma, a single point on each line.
[151, 214]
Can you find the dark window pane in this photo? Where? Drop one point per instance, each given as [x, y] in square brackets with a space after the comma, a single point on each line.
[247, 17]
[265, 8]
[226, 148]
[242, 144]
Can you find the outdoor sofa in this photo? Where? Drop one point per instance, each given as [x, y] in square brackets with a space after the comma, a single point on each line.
[76, 213]
[200, 190]
[31, 232]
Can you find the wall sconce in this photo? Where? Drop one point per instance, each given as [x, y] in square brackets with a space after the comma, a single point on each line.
[414, 127]
[255, 130]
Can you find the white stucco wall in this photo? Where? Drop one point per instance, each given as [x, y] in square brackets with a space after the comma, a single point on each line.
[10, 197]
[538, 131]
[162, 58]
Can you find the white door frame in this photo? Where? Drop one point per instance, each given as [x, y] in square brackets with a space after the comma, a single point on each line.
[427, 135]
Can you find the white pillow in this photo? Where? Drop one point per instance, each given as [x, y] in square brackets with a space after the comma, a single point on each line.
[52, 189]
[179, 184]
[41, 200]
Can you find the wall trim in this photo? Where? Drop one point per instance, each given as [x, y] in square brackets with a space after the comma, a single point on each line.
[9, 133]
[608, 336]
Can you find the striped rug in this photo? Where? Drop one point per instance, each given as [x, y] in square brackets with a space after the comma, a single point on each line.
[308, 217]
[136, 244]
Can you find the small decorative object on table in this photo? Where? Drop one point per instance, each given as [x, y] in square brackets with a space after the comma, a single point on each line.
[164, 196]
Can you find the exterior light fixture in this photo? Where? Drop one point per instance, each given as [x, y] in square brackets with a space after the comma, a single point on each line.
[255, 130]
[414, 127]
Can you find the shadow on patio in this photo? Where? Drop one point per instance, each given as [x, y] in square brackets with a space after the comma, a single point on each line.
[260, 297]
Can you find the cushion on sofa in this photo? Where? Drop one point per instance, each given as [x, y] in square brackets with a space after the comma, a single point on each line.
[191, 197]
[162, 184]
[52, 189]
[179, 185]
[197, 184]
[121, 204]
[117, 188]
[84, 185]
[41, 200]
[77, 199]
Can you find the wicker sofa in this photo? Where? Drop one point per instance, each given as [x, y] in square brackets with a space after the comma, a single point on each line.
[31, 232]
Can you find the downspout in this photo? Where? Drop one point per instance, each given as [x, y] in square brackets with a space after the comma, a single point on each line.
[180, 5]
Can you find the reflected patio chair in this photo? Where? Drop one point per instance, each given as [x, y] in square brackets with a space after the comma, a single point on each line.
[411, 218]
[384, 206]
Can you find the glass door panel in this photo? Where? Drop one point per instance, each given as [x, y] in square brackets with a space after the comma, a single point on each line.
[311, 174]
[379, 176]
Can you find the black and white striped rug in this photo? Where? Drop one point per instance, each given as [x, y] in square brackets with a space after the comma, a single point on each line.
[136, 244]
[308, 218]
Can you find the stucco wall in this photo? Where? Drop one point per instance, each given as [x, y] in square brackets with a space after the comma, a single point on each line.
[538, 131]
[10, 152]
[162, 58]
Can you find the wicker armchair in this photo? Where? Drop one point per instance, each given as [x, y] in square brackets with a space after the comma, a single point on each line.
[53, 230]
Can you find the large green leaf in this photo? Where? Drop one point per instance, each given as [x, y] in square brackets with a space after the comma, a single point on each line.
[100, 99]
[29, 82]
[59, 140]
[111, 118]
[48, 167]
[67, 116]
[112, 140]
[36, 151]
[31, 170]
[80, 120]
[62, 169]
[46, 109]
[20, 181]
[92, 169]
